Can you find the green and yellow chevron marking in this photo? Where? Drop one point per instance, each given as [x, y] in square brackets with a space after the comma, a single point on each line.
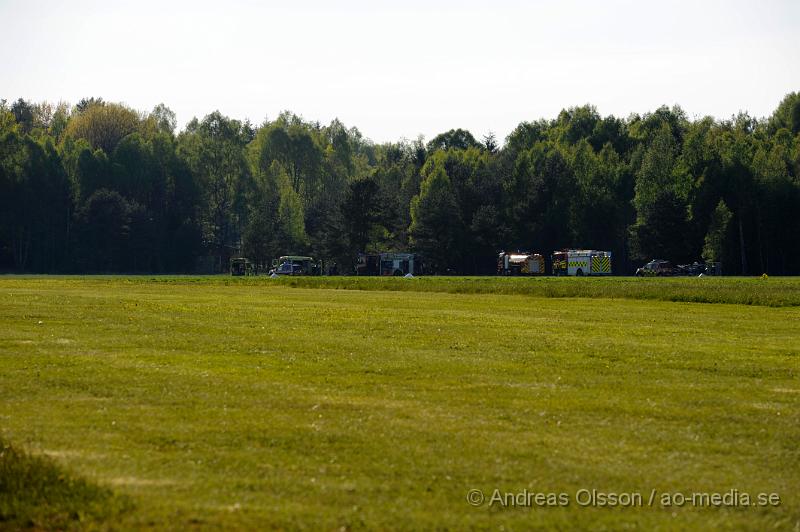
[601, 264]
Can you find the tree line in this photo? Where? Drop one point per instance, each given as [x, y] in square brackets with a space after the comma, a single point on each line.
[101, 187]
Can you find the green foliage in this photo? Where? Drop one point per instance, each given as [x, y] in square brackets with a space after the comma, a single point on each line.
[662, 189]
[641, 187]
[23, 114]
[165, 118]
[542, 191]
[714, 248]
[215, 154]
[457, 139]
[291, 219]
[35, 203]
[104, 221]
[661, 229]
[597, 211]
[289, 142]
[103, 125]
[436, 225]
[59, 121]
[787, 115]
[361, 213]
[577, 123]
[276, 224]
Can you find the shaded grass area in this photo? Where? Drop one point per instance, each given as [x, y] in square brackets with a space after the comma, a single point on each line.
[35, 493]
[245, 404]
[771, 292]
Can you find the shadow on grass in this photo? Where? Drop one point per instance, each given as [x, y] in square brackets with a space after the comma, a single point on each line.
[37, 494]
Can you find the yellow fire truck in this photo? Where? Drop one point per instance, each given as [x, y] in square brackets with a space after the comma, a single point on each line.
[580, 262]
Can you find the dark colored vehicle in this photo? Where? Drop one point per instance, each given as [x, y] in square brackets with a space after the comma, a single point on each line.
[693, 269]
[295, 265]
[699, 268]
[657, 268]
[241, 266]
[663, 268]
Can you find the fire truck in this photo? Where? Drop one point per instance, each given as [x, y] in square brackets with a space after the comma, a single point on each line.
[580, 262]
[520, 263]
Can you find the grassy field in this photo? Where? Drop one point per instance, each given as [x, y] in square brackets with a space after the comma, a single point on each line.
[772, 292]
[181, 402]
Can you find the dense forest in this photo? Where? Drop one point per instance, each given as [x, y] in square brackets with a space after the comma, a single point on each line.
[101, 187]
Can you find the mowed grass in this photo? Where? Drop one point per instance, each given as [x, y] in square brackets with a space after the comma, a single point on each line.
[250, 404]
[36, 493]
[773, 291]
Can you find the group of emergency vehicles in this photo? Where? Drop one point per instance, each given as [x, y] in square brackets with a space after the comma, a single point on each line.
[576, 262]
[573, 262]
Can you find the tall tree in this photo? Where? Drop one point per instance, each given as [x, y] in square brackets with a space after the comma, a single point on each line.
[458, 139]
[716, 239]
[436, 226]
[103, 125]
[662, 189]
[215, 153]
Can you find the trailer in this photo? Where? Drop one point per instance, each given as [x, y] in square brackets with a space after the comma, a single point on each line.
[580, 262]
[396, 264]
[519, 263]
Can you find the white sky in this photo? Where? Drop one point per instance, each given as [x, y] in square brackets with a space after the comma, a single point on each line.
[405, 67]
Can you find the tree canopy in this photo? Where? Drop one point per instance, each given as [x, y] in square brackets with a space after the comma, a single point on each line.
[101, 187]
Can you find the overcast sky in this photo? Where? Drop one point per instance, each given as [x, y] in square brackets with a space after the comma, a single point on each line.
[405, 67]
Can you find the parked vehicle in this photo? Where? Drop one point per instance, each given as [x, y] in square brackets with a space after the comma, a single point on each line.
[693, 269]
[520, 263]
[657, 268]
[295, 265]
[397, 264]
[713, 268]
[664, 268]
[580, 262]
[242, 266]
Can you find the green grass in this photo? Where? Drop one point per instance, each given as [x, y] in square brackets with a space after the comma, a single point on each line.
[772, 292]
[218, 402]
[36, 493]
